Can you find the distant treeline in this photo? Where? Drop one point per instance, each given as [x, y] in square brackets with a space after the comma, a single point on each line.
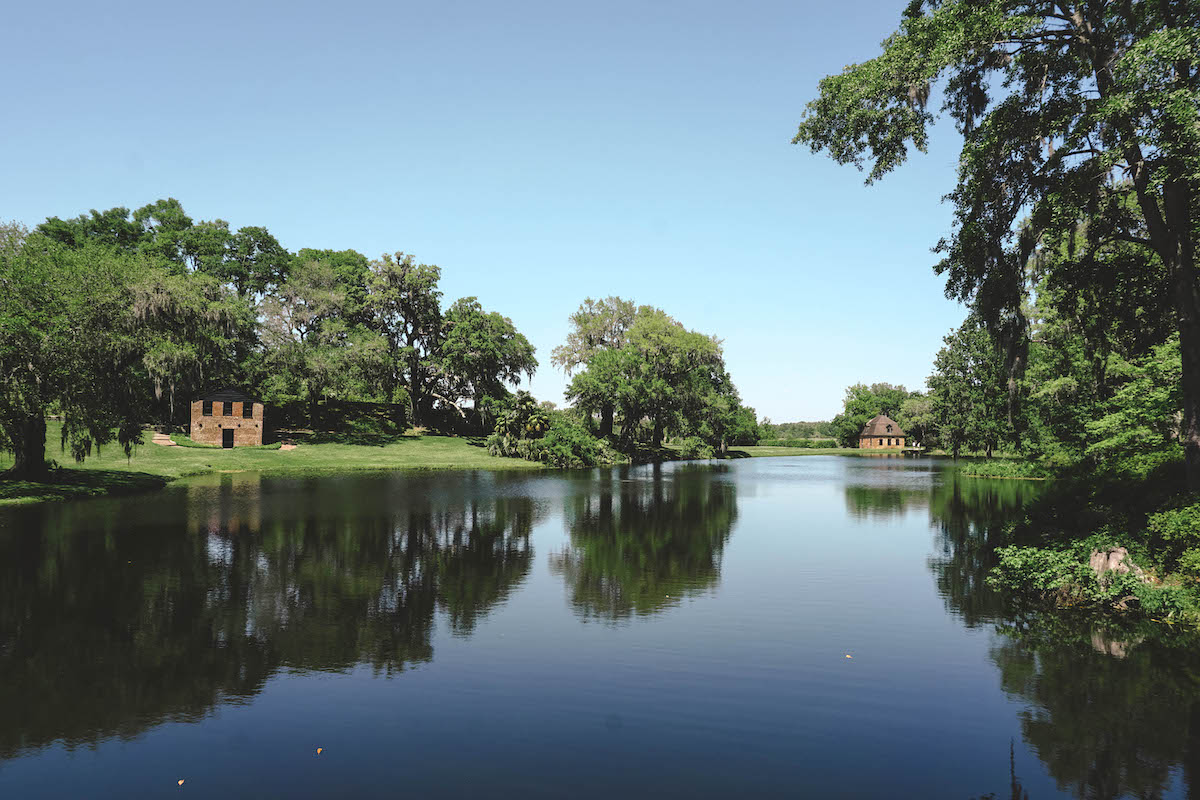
[796, 430]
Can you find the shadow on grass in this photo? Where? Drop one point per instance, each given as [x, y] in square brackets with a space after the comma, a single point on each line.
[67, 484]
[360, 439]
[737, 454]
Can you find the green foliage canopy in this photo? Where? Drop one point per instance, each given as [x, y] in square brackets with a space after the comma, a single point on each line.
[1068, 113]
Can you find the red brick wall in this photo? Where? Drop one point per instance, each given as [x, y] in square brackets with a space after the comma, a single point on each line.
[210, 430]
[872, 442]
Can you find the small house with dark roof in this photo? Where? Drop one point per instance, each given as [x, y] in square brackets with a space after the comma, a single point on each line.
[227, 418]
[881, 432]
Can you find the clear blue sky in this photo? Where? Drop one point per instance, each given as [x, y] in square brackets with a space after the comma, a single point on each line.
[539, 152]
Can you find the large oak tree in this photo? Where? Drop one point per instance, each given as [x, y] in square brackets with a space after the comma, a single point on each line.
[1066, 109]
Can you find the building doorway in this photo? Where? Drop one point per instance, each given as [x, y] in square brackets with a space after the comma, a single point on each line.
[227, 437]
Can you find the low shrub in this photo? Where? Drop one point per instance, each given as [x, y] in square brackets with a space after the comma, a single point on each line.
[1179, 526]
[1064, 578]
[1005, 469]
[569, 444]
[1038, 572]
[566, 443]
[1189, 563]
[695, 447]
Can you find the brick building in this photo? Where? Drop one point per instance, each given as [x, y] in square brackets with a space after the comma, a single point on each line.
[881, 432]
[227, 418]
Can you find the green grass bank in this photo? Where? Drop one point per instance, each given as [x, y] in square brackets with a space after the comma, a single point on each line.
[152, 466]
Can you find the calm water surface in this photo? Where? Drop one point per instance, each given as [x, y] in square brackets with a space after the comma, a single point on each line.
[674, 631]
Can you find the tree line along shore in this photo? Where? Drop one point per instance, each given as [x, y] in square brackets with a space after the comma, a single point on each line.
[1076, 218]
[149, 467]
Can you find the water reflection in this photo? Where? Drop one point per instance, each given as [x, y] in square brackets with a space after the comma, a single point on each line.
[1112, 710]
[866, 502]
[641, 545]
[969, 515]
[117, 616]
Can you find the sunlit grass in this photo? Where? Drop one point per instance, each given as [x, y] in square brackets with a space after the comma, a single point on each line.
[152, 465]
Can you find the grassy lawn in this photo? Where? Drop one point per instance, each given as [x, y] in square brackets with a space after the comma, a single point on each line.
[151, 465]
[76, 483]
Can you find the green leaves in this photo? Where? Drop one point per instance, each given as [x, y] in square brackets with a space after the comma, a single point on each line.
[405, 304]
[93, 332]
[597, 325]
[1079, 172]
[654, 369]
[1145, 414]
[482, 351]
[968, 387]
[871, 112]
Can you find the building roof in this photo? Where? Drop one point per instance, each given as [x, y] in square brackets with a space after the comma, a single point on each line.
[878, 426]
[227, 395]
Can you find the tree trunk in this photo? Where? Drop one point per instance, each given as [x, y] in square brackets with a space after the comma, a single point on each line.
[479, 414]
[417, 404]
[1181, 267]
[657, 436]
[415, 396]
[313, 410]
[29, 451]
[606, 420]
[1189, 346]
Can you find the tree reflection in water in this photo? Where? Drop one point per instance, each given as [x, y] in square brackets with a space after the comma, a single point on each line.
[639, 546]
[118, 615]
[1113, 710]
[969, 515]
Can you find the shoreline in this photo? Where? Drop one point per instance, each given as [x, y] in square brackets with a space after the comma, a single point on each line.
[152, 467]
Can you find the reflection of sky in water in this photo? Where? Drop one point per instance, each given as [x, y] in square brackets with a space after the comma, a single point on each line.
[677, 630]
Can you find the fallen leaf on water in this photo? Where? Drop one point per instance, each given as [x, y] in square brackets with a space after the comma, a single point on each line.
[181, 781]
[849, 656]
[319, 749]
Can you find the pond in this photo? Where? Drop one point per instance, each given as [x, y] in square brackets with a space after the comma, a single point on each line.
[815, 626]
